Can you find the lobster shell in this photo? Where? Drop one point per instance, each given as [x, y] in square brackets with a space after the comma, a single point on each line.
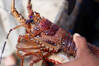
[66, 46]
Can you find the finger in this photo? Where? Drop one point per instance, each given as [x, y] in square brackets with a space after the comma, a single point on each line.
[81, 44]
[79, 41]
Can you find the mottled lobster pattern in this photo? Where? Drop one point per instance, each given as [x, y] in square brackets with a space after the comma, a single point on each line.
[42, 37]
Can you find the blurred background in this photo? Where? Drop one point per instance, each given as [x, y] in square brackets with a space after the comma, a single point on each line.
[75, 16]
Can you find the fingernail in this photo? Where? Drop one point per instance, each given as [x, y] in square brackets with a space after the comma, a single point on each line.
[78, 35]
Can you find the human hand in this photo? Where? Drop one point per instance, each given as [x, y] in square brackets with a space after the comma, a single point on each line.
[84, 57]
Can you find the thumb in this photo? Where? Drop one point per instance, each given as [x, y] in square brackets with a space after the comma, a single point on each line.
[81, 44]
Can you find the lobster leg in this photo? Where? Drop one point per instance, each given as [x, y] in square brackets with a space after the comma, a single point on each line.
[27, 54]
[45, 58]
[18, 26]
[15, 13]
[22, 58]
[50, 47]
[37, 60]
[22, 61]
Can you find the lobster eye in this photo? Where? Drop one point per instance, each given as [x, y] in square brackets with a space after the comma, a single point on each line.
[31, 17]
[29, 21]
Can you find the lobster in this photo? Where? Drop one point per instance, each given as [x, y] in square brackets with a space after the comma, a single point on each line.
[42, 38]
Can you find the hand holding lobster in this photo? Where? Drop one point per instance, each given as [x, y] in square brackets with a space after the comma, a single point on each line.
[84, 56]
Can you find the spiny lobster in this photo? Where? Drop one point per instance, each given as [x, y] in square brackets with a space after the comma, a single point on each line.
[42, 38]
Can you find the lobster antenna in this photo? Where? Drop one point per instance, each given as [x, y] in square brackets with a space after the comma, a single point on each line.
[18, 26]
[4, 45]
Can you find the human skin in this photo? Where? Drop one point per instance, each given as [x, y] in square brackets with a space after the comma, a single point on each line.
[9, 61]
[84, 57]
